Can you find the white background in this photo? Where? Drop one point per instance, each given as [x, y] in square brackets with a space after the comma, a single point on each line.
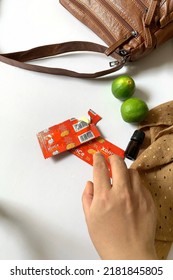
[41, 214]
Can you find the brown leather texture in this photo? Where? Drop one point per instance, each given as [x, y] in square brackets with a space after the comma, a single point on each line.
[19, 59]
[131, 28]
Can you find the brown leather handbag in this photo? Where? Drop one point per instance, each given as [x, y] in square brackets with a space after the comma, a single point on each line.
[130, 28]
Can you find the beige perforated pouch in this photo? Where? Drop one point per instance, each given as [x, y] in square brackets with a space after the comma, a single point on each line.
[155, 166]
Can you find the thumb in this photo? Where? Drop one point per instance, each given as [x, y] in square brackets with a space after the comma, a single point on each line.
[87, 197]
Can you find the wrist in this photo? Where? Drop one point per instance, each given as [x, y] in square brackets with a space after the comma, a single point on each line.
[143, 254]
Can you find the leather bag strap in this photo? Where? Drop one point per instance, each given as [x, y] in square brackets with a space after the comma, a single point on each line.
[19, 59]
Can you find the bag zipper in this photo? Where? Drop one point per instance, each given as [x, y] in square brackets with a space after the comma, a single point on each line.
[114, 12]
[144, 7]
[130, 34]
[95, 19]
[117, 44]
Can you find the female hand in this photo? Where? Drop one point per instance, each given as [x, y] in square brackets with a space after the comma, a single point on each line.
[120, 215]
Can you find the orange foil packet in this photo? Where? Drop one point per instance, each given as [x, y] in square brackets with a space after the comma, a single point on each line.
[68, 135]
[86, 151]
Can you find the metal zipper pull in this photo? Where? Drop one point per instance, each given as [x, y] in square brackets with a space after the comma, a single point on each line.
[128, 36]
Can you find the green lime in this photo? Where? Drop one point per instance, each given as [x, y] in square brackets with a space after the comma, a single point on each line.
[123, 87]
[134, 110]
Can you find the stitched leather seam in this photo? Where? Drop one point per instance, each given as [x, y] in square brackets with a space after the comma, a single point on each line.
[126, 17]
[138, 5]
[118, 22]
[86, 14]
[97, 19]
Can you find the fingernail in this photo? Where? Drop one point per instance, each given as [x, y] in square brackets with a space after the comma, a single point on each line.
[97, 155]
[113, 156]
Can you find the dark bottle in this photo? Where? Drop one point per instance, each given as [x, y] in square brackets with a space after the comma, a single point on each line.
[133, 147]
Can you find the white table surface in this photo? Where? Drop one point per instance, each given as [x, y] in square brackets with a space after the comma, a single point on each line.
[41, 214]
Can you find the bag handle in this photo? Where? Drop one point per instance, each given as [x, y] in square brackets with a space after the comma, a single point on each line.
[18, 59]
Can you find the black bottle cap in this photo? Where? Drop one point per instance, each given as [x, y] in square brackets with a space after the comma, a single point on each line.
[133, 146]
[138, 136]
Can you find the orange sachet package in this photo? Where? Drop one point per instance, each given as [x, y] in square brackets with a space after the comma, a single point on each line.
[86, 151]
[81, 137]
[68, 134]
